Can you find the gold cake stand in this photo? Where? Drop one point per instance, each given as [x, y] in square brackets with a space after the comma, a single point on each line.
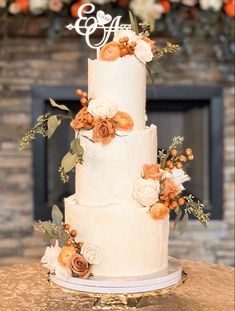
[124, 301]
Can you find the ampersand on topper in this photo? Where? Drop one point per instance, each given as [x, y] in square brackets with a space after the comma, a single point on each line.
[86, 26]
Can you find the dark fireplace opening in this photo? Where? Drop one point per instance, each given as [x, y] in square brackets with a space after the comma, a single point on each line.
[195, 112]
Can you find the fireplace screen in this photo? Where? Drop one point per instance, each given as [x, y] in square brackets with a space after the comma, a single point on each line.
[192, 112]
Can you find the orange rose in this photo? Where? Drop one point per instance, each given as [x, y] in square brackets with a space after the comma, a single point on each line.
[83, 120]
[110, 51]
[103, 131]
[159, 211]
[166, 5]
[229, 8]
[65, 255]
[74, 8]
[152, 171]
[23, 4]
[151, 42]
[80, 266]
[123, 121]
[169, 187]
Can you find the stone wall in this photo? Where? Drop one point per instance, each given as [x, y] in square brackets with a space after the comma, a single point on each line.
[34, 61]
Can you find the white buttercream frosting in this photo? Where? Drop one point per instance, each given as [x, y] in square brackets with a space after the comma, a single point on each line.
[123, 83]
[109, 172]
[130, 241]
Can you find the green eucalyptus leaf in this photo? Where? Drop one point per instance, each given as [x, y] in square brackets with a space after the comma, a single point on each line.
[47, 238]
[76, 147]
[184, 222]
[54, 104]
[48, 226]
[69, 161]
[63, 238]
[52, 124]
[56, 215]
[134, 23]
[155, 67]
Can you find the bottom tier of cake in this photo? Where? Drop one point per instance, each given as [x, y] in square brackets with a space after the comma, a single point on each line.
[130, 241]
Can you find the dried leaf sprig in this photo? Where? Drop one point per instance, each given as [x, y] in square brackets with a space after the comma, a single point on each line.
[168, 49]
[196, 208]
[39, 128]
[145, 29]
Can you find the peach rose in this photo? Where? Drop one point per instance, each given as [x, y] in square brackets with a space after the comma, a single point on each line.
[151, 42]
[152, 171]
[168, 187]
[159, 211]
[110, 51]
[65, 255]
[83, 120]
[80, 266]
[123, 121]
[103, 131]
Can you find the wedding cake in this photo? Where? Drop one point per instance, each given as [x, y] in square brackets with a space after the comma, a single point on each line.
[116, 225]
[103, 209]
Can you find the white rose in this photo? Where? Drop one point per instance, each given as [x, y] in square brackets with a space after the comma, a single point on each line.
[143, 9]
[38, 6]
[119, 34]
[102, 108]
[146, 191]
[215, 5]
[49, 260]
[62, 272]
[91, 253]
[143, 51]
[157, 11]
[177, 176]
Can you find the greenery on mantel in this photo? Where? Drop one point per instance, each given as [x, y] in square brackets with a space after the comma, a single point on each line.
[188, 25]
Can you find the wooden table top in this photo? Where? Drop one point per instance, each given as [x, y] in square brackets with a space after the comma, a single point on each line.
[209, 287]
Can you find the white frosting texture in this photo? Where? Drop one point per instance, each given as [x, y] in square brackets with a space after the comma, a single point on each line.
[130, 241]
[122, 82]
[109, 172]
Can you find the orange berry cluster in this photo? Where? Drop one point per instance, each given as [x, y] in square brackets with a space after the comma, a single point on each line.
[171, 201]
[71, 240]
[84, 97]
[126, 48]
[178, 160]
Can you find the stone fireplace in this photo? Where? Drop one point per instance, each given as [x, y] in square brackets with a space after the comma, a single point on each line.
[34, 63]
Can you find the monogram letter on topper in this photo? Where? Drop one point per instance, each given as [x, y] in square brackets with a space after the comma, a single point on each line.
[86, 26]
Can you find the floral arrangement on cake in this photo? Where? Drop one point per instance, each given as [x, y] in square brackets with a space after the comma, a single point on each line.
[97, 115]
[66, 255]
[161, 185]
[137, 42]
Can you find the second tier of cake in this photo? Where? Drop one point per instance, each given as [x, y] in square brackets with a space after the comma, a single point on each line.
[110, 171]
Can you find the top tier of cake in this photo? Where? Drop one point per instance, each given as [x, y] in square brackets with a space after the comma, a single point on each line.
[122, 82]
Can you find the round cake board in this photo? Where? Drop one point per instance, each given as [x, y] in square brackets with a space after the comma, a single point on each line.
[167, 278]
